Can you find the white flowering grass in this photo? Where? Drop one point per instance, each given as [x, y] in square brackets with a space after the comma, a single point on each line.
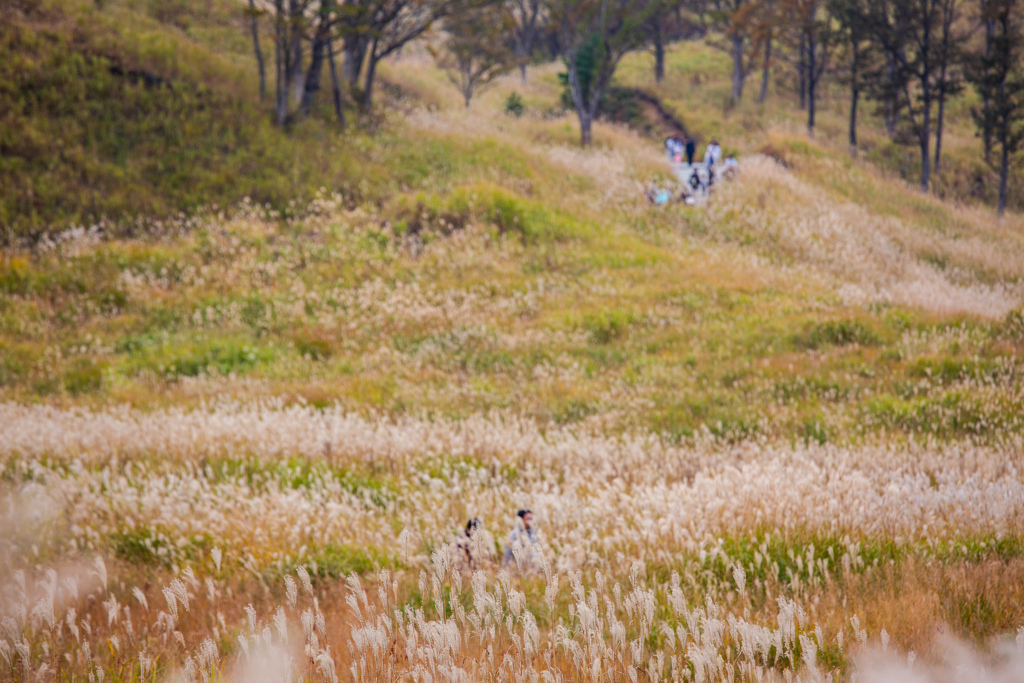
[879, 259]
[777, 438]
[236, 491]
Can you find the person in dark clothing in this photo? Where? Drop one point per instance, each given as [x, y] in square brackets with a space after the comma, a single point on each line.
[691, 150]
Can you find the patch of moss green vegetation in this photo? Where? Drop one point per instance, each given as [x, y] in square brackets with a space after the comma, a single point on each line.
[484, 202]
[339, 560]
[837, 333]
[103, 119]
[149, 546]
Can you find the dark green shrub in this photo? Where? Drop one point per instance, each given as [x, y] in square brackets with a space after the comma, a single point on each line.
[514, 105]
[221, 358]
[837, 333]
[606, 326]
[482, 203]
[84, 377]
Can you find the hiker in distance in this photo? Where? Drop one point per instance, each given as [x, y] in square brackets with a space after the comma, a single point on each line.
[472, 548]
[520, 543]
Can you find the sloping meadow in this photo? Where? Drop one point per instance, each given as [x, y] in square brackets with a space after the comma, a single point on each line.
[776, 438]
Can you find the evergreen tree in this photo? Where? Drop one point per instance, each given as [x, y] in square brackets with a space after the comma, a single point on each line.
[910, 33]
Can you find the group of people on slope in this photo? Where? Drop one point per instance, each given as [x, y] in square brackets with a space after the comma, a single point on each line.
[699, 179]
[677, 147]
[474, 546]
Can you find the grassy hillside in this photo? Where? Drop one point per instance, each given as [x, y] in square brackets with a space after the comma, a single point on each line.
[122, 111]
[501, 268]
[774, 437]
[815, 298]
[133, 110]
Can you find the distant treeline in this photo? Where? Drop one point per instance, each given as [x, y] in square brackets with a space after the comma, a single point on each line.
[105, 116]
[908, 57]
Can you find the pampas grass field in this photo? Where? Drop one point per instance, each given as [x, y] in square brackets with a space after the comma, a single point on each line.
[778, 437]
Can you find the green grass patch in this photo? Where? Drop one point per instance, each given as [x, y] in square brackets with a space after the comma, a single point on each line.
[194, 357]
[487, 204]
[338, 560]
[836, 333]
[948, 414]
[606, 326]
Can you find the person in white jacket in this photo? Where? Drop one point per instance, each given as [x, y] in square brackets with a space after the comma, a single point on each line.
[713, 154]
[518, 551]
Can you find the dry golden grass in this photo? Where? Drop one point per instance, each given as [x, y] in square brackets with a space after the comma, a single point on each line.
[744, 429]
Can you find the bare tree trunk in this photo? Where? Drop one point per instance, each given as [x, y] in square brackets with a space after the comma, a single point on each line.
[586, 124]
[295, 24]
[811, 83]
[949, 15]
[316, 62]
[659, 53]
[925, 165]
[810, 107]
[738, 71]
[525, 32]
[371, 69]
[939, 120]
[990, 28]
[583, 110]
[335, 86]
[765, 71]
[801, 68]
[891, 114]
[925, 140]
[280, 76]
[352, 61]
[255, 28]
[466, 84]
[854, 94]
[1004, 166]
[926, 104]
